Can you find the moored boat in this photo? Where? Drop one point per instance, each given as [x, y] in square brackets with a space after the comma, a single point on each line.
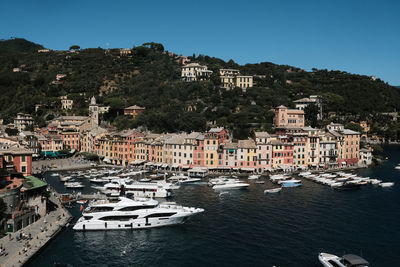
[348, 260]
[254, 177]
[387, 184]
[273, 190]
[290, 183]
[133, 214]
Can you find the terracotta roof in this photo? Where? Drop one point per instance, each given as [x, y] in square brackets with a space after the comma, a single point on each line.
[135, 107]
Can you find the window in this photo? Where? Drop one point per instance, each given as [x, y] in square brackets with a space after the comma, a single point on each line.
[23, 169]
[119, 218]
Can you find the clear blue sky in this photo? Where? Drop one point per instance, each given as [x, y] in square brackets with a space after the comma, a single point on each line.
[351, 35]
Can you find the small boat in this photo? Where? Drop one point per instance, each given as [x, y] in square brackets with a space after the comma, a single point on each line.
[375, 181]
[74, 185]
[273, 190]
[290, 183]
[348, 260]
[145, 180]
[397, 167]
[387, 184]
[348, 186]
[81, 201]
[254, 177]
[65, 178]
[54, 174]
[96, 180]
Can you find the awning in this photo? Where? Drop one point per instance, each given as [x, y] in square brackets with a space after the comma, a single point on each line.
[158, 164]
[268, 169]
[185, 167]
[107, 160]
[175, 166]
[164, 165]
[247, 169]
[344, 163]
[148, 164]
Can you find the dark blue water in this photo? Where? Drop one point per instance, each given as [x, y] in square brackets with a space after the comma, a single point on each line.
[252, 229]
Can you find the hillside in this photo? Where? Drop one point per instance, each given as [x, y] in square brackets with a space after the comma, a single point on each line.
[149, 77]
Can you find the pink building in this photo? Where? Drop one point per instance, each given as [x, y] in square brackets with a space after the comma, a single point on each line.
[285, 117]
[221, 133]
[198, 151]
[264, 150]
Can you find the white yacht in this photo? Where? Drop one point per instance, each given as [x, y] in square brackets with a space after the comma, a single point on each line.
[348, 260]
[133, 214]
[227, 184]
[138, 189]
[183, 179]
[254, 177]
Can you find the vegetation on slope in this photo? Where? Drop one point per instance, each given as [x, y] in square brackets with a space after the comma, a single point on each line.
[151, 78]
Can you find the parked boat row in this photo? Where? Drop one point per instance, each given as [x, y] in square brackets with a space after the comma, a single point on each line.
[343, 180]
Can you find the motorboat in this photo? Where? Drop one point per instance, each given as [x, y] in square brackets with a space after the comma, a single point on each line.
[304, 174]
[65, 178]
[97, 180]
[290, 183]
[348, 260]
[279, 177]
[397, 167]
[375, 181]
[144, 180]
[387, 184]
[138, 189]
[228, 184]
[131, 214]
[183, 179]
[330, 260]
[273, 190]
[348, 185]
[74, 185]
[254, 177]
[54, 174]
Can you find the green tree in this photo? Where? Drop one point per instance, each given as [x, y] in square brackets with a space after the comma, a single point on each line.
[354, 126]
[11, 131]
[74, 47]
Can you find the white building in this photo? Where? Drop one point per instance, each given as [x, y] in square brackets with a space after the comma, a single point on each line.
[195, 72]
[66, 103]
[231, 78]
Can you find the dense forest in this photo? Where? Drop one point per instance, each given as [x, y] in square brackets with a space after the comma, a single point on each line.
[150, 77]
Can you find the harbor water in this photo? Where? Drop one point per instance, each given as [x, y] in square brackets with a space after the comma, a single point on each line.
[250, 228]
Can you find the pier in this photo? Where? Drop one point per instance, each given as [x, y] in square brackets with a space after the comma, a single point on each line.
[76, 197]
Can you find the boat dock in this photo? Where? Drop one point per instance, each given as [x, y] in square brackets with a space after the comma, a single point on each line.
[21, 246]
[65, 198]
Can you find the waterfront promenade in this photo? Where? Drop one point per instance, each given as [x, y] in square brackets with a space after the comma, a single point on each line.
[37, 235]
[74, 163]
